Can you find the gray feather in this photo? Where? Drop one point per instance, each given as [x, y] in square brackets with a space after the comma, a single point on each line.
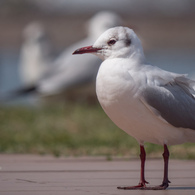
[173, 102]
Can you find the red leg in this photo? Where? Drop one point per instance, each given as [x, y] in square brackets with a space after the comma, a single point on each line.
[142, 173]
[142, 183]
[166, 181]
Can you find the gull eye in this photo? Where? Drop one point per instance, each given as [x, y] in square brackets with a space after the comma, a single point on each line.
[111, 42]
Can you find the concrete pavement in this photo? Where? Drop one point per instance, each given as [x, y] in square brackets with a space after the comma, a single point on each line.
[44, 175]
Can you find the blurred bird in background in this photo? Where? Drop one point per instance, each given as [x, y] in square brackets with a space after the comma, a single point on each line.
[75, 77]
[67, 77]
[35, 56]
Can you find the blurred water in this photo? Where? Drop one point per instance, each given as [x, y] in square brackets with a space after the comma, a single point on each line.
[179, 61]
[10, 78]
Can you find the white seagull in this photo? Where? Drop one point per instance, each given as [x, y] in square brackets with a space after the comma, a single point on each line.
[63, 75]
[35, 56]
[66, 74]
[150, 104]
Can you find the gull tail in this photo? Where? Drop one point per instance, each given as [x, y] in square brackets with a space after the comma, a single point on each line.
[9, 96]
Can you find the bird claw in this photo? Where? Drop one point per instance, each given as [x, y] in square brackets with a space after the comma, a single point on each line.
[141, 186]
[160, 187]
[138, 187]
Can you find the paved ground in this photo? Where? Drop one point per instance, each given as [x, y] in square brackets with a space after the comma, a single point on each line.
[44, 175]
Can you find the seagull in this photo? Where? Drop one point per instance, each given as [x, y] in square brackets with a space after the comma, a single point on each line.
[66, 75]
[35, 55]
[62, 76]
[148, 103]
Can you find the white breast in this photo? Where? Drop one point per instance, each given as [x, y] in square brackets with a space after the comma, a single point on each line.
[117, 91]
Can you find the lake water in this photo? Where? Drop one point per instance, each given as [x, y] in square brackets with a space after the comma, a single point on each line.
[179, 61]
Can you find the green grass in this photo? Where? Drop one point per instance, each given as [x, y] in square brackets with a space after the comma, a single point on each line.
[74, 129]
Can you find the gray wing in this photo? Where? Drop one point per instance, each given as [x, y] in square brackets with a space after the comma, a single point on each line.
[173, 102]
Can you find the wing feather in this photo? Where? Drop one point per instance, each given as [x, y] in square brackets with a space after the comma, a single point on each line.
[174, 102]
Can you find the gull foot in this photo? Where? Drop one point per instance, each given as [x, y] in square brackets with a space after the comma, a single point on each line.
[163, 186]
[140, 186]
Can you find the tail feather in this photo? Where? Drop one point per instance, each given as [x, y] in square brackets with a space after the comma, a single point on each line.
[17, 93]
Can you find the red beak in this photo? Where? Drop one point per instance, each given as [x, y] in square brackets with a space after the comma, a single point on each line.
[88, 49]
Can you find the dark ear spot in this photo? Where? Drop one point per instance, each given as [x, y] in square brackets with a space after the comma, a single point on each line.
[128, 42]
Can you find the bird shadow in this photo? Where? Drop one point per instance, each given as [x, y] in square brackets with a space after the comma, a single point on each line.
[181, 188]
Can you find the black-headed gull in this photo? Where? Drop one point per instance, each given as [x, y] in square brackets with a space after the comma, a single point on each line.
[64, 74]
[148, 103]
[67, 74]
[35, 56]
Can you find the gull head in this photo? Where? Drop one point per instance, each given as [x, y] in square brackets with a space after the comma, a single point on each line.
[117, 42]
[101, 22]
[34, 32]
